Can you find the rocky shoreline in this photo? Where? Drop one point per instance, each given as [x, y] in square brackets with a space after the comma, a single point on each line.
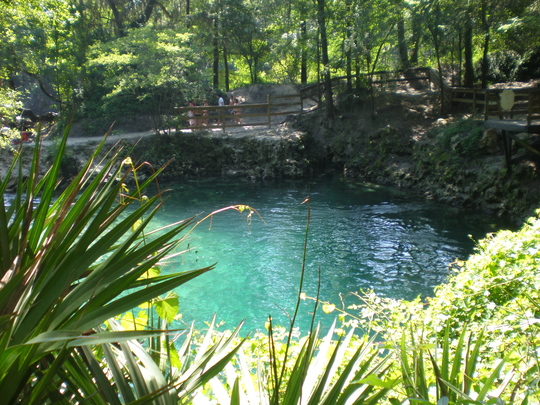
[453, 160]
[401, 147]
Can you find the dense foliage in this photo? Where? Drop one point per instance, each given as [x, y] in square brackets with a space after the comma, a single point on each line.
[72, 261]
[84, 310]
[106, 58]
[85, 315]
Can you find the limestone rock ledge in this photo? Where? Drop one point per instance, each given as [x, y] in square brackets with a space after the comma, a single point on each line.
[273, 153]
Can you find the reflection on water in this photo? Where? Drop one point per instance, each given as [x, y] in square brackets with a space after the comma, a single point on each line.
[361, 237]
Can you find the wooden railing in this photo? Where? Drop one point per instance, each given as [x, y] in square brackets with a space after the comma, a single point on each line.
[257, 114]
[240, 115]
[314, 91]
[402, 75]
[525, 103]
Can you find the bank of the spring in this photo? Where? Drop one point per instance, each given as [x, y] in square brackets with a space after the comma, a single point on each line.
[455, 163]
[274, 153]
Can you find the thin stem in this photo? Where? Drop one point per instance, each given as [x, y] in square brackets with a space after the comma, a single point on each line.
[299, 299]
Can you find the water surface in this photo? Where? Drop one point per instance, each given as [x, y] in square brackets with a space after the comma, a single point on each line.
[361, 237]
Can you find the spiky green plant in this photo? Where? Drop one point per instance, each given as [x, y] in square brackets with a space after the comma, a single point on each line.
[70, 261]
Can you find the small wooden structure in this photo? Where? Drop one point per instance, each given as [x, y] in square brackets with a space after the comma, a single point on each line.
[510, 111]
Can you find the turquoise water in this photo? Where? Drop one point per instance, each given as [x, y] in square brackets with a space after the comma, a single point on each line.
[361, 237]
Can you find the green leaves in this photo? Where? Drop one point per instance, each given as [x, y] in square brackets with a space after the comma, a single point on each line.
[149, 69]
[71, 261]
[319, 370]
[167, 308]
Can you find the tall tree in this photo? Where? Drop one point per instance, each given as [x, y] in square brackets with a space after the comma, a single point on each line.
[321, 18]
[247, 37]
[303, 53]
[468, 79]
[215, 43]
[434, 21]
[402, 44]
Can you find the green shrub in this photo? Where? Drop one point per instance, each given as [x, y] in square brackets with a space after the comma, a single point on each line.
[503, 66]
[477, 336]
[70, 262]
[462, 137]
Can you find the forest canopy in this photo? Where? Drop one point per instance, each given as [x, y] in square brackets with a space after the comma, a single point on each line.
[117, 57]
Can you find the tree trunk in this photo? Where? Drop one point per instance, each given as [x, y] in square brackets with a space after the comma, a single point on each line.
[146, 15]
[441, 76]
[485, 60]
[226, 68]
[487, 37]
[303, 53]
[216, 54]
[468, 79]
[358, 82]
[348, 57]
[117, 19]
[254, 74]
[416, 39]
[402, 45]
[325, 61]
[460, 59]
[348, 48]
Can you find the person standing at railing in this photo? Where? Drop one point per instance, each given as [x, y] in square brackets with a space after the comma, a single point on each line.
[191, 114]
[231, 103]
[235, 111]
[221, 103]
[205, 114]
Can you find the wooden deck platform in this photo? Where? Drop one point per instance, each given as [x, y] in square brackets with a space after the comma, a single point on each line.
[511, 125]
[508, 129]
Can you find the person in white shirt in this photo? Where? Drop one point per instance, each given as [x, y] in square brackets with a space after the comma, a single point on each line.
[221, 103]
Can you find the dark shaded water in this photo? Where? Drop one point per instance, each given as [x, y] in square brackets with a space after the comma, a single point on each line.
[361, 237]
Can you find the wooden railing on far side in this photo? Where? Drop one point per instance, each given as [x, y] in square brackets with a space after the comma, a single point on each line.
[241, 115]
[525, 106]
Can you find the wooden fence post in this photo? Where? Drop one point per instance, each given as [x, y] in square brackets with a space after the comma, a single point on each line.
[222, 119]
[269, 116]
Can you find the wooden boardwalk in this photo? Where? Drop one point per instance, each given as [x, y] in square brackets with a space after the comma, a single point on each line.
[508, 111]
[511, 125]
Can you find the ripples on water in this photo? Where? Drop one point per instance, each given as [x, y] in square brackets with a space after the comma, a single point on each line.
[361, 237]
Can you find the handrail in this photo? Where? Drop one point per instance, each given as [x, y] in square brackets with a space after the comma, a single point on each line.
[231, 116]
[422, 73]
[526, 104]
[228, 116]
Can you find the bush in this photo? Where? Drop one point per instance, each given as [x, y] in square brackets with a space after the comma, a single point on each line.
[462, 137]
[503, 66]
[530, 67]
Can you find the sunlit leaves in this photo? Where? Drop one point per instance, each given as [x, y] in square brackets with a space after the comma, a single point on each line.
[148, 65]
[328, 308]
[167, 308]
[130, 321]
